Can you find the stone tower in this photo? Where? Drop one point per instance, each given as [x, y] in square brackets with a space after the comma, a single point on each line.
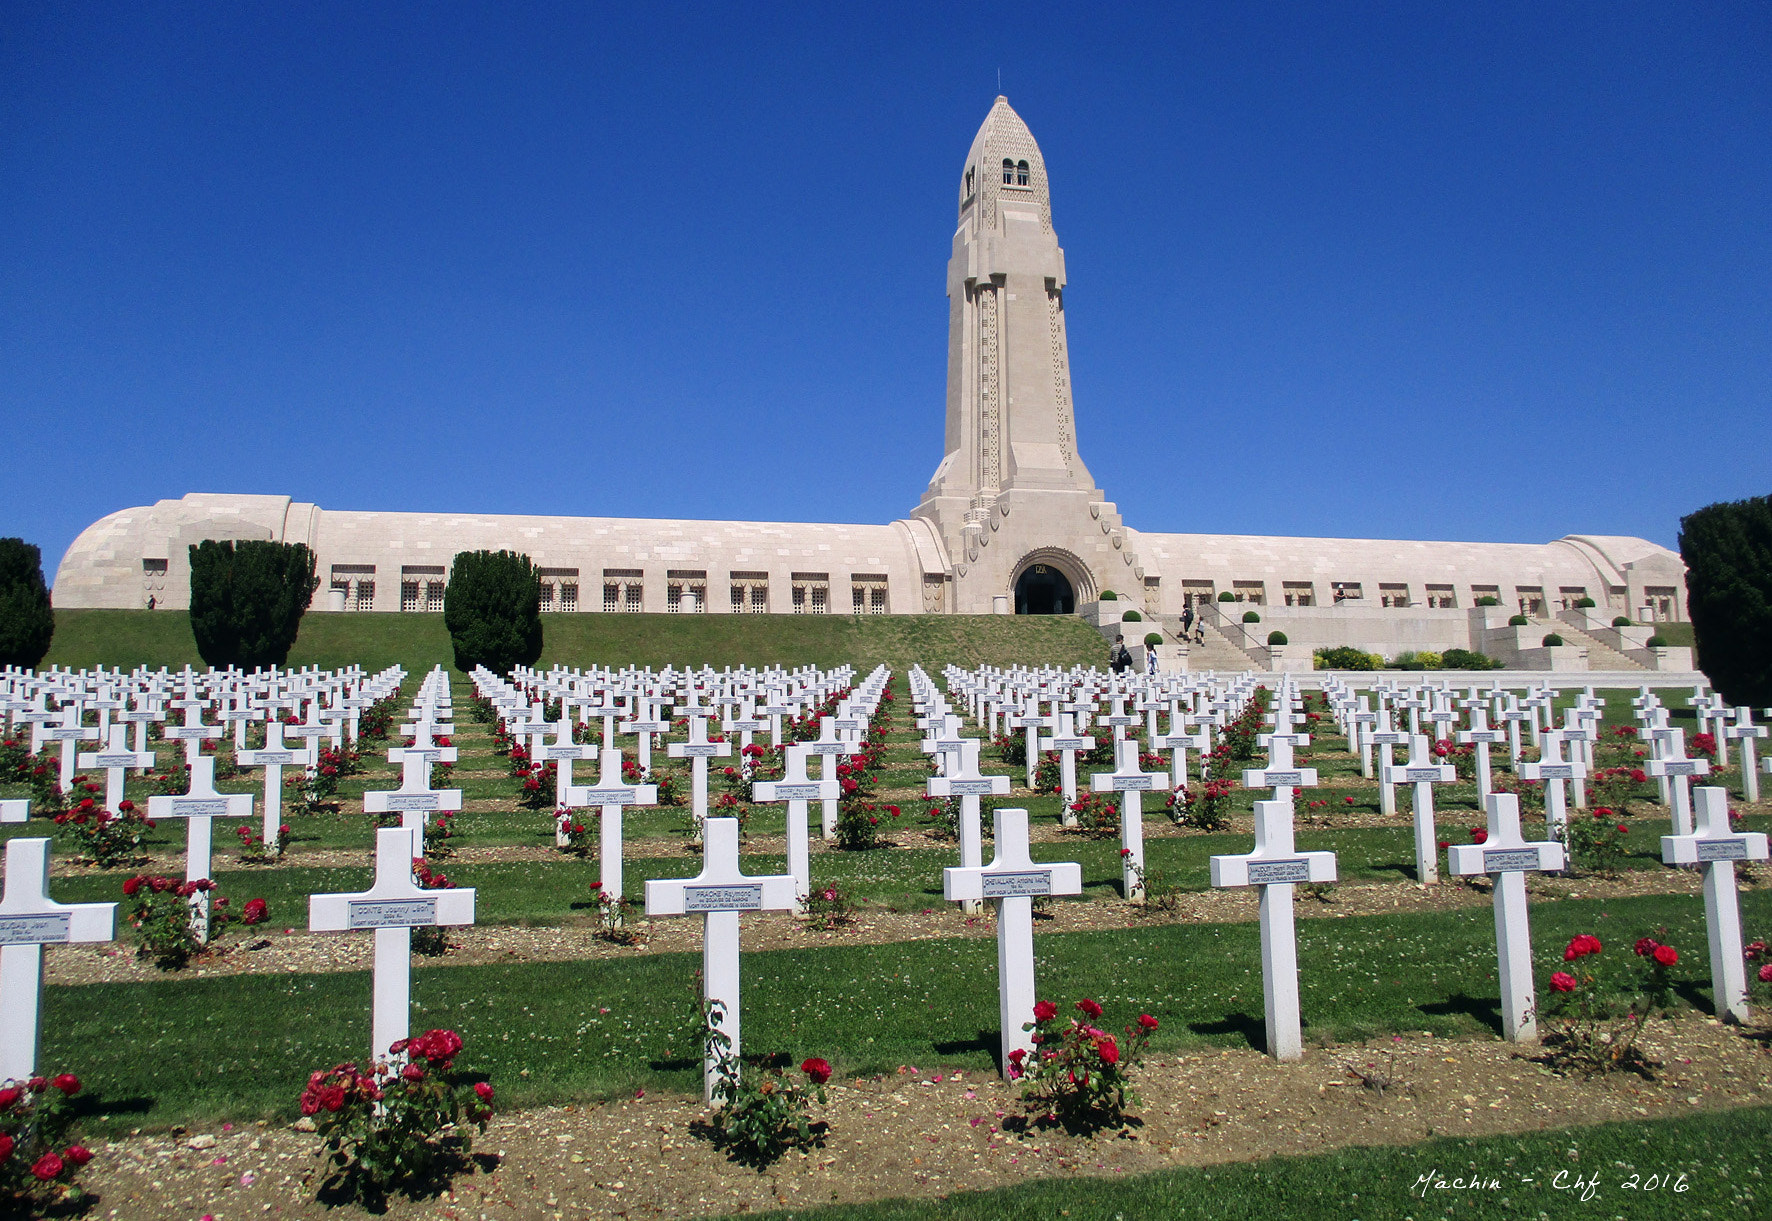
[1012, 492]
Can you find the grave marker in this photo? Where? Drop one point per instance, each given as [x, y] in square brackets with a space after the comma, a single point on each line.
[1715, 846]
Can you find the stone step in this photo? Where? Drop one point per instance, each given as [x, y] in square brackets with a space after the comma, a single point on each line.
[1599, 656]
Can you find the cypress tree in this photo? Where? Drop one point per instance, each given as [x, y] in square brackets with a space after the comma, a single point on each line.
[1728, 552]
[27, 620]
[247, 599]
[492, 608]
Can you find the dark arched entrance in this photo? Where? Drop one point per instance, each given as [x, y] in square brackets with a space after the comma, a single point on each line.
[1043, 590]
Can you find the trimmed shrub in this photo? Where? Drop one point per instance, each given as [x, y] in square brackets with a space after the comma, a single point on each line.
[1728, 553]
[1552, 641]
[1467, 659]
[27, 620]
[1517, 621]
[1621, 621]
[1584, 604]
[1152, 639]
[1488, 600]
[492, 608]
[1656, 642]
[247, 599]
[1251, 617]
[1108, 595]
[1132, 617]
[1226, 596]
[1274, 638]
[1345, 657]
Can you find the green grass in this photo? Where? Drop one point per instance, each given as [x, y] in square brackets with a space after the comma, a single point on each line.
[1717, 1155]
[418, 641]
[240, 1047]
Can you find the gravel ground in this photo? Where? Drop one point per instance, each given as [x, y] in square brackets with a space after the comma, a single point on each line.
[926, 1132]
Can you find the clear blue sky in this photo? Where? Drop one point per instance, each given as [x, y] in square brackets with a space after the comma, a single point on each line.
[1497, 272]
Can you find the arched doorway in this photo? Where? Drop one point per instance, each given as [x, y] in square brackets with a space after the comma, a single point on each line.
[1044, 590]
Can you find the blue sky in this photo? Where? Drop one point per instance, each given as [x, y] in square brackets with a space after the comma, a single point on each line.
[1496, 272]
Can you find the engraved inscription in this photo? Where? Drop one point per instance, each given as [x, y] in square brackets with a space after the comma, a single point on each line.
[1722, 849]
[34, 928]
[1508, 860]
[392, 913]
[745, 898]
[1266, 872]
[1008, 885]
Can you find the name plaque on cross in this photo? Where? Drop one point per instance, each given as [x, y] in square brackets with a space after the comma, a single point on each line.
[573, 751]
[35, 928]
[109, 760]
[391, 913]
[1720, 849]
[1004, 885]
[281, 758]
[811, 791]
[1506, 860]
[1556, 771]
[1277, 779]
[748, 898]
[1133, 784]
[963, 788]
[1262, 873]
[397, 801]
[703, 750]
[194, 807]
[1679, 767]
[1416, 775]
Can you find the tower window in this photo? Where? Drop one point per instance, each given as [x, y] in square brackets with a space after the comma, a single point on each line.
[1021, 173]
[969, 173]
[1008, 172]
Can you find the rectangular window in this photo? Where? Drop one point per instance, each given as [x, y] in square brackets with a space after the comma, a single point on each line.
[1195, 592]
[1479, 592]
[365, 595]
[1569, 595]
[1299, 593]
[811, 593]
[1664, 601]
[1393, 594]
[1346, 591]
[434, 596]
[634, 601]
[622, 590]
[553, 586]
[867, 593]
[569, 596]
[1530, 599]
[1253, 592]
[1441, 597]
[547, 595]
[409, 595]
[750, 593]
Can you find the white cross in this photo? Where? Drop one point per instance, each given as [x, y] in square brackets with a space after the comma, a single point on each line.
[116, 760]
[1508, 858]
[796, 789]
[1362, 718]
[1013, 879]
[1280, 775]
[829, 748]
[274, 757]
[1067, 742]
[393, 907]
[415, 798]
[1030, 722]
[1422, 772]
[199, 806]
[1671, 764]
[563, 752]
[610, 794]
[70, 733]
[698, 750]
[1129, 782]
[1482, 737]
[967, 783]
[1717, 848]
[1276, 867]
[1748, 735]
[193, 733]
[1552, 770]
[646, 724]
[719, 893]
[1384, 737]
[1513, 715]
[1178, 742]
[29, 920]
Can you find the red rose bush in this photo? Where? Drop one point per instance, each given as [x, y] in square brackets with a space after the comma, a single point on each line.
[1598, 1007]
[1078, 1074]
[38, 1160]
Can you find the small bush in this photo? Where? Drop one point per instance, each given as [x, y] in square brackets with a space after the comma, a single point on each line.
[1345, 657]
[37, 1173]
[1552, 641]
[1274, 638]
[1517, 621]
[1621, 621]
[1584, 604]
[1108, 595]
[1227, 596]
[1488, 600]
[1251, 616]
[761, 1116]
[1152, 639]
[1467, 659]
[1656, 642]
[1132, 617]
[1078, 1074]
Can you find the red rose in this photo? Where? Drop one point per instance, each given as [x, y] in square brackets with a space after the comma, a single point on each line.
[5, 1146]
[1645, 946]
[37, 1084]
[8, 1096]
[67, 1083]
[1146, 1022]
[1108, 1049]
[1479, 835]
[413, 1072]
[1045, 1011]
[1766, 974]
[1018, 1055]
[1348, 800]
[1623, 830]
[78, 1154]
[47, 1167]
[1562, 981]
[818, 1070]
[1666, 955]
[484, 1090]
[1089, 1007]
[332, 1098]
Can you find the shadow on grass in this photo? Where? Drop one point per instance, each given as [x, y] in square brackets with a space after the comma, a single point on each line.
[989, 1042]
[350, 1185]
[1696, 995]
[1251, 1029]
[1479, 1009]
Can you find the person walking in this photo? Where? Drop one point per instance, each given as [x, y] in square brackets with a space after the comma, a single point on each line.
[1120, 658]
[1187, 621]
[1150, 660]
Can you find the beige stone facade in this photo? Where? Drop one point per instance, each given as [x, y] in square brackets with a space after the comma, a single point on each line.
[1011, 521]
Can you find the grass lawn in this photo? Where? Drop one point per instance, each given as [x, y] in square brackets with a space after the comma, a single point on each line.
[240, 1047]
[1716, 1159]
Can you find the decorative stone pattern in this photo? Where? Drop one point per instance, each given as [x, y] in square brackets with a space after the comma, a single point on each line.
[990, 475]
[1061, 378]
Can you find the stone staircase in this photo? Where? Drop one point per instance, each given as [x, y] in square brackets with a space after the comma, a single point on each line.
[1218, 653]
[1599, 656]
